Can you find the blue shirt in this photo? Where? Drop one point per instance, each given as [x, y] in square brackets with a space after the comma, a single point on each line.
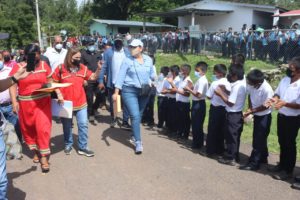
[264, 41]
[134, 74]
[292, 35]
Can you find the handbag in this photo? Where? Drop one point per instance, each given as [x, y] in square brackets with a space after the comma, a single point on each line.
[145, 88]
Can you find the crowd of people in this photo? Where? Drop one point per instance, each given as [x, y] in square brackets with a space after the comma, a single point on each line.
[122, 68]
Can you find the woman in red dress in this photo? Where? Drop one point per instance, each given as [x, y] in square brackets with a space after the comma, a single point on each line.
[34, 108]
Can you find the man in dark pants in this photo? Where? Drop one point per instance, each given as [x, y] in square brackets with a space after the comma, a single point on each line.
[91, 58]
[217, 113]
[287, 101]
[113, 58]
[234, 116]
[259, 92]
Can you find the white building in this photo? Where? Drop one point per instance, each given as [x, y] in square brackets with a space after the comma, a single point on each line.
[289, 18]
[214, 15]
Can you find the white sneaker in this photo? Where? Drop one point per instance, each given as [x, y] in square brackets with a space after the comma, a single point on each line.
[138, 147]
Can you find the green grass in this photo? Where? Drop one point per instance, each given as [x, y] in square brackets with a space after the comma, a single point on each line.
[178, 59]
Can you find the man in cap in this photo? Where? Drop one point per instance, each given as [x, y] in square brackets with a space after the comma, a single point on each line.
[91, 58]
[113, 58]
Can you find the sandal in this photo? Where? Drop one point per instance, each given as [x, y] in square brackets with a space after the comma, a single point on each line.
[45, 164]
[36, 158]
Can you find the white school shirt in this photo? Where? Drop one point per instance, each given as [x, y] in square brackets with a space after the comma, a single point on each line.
[215, 99]
[167, 85]
[183, 84]
[237, 96]
[201, 87]
[259, 97]
[289, 93]
[159, 87]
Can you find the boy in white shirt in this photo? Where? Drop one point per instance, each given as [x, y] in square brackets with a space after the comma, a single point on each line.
[170, 92]
[287, 101]
[217, 112]
[234, 115]
[161, 98]
[198, 110]
[183, 101]
[259, 92]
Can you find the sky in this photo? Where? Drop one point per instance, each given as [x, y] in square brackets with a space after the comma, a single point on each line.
[79, 2]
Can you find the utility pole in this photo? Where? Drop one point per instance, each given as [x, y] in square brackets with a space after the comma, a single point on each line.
[38, 24]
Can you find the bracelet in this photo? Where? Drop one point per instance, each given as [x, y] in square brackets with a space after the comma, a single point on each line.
[14, 79]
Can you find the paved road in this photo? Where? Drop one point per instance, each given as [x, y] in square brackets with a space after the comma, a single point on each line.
[167, 170]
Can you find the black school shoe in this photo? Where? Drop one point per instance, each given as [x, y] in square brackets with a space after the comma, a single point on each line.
[225, 161]
[283, 175]
[296, 185]
[125, 126]
[249, 167]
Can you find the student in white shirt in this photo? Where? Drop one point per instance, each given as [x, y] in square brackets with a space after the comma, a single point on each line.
[259, 92]
[234, 116]
[287, 101]
[217, 112]
[170, 93]
[161, 98]
[198, 110]
[183, 101]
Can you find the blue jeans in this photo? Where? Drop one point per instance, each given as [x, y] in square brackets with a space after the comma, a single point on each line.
[82, 124]
[12, 118]
[3, 177]
[135, 105]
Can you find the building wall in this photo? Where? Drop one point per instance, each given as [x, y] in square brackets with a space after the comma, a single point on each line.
[98, 27]
[263, 19]
[236, 19]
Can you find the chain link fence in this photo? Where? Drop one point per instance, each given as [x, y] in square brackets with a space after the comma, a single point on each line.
[267, 45]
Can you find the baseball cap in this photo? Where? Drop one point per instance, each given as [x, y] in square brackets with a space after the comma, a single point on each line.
[118, 37]
[136, 42]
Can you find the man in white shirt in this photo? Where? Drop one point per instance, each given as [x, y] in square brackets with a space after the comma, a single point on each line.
[57, 53]
[259, 92]
[287, 101]
[198, 110]
[5, 102]
[217, 113]
[234, 116]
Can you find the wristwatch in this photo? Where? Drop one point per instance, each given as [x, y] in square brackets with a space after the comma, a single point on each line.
[14, 79]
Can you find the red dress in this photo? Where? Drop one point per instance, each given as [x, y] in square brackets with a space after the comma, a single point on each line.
[75, 92]
[35, 109]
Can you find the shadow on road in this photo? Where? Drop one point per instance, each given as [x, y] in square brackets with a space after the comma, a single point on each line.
[13, 192]
[117, 134]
